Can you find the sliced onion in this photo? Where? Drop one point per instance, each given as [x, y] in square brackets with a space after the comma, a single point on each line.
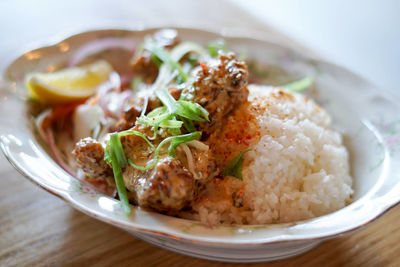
[124, 97]
[98, 46]
[39, 123]
[164, 75]
[197, 144]
[85, 119]
[183, 48]
[56, 154]
[113, 83]
[190, 161]
[126, 78]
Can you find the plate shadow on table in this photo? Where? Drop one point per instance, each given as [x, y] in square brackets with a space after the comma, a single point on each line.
[95, 243]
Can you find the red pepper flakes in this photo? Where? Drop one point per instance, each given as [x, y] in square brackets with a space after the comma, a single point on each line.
[203, 66]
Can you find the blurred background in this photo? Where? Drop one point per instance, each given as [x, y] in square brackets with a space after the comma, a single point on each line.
[361, 35]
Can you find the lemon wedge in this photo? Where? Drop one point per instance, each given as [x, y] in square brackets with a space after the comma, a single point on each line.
[69, 84]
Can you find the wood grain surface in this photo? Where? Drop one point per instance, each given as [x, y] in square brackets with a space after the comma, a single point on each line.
[38, 229]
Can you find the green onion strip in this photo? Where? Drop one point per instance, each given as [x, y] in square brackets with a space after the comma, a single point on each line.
[162, 54]
[176, 141]
[235, 166]
[171, 60]
[142, 168]
[216, 46]
[114, 155]
[174, 114]
[118, 162]
[299, 85]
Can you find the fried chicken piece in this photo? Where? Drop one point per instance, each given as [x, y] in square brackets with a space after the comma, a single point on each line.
[220, 87]
[127, 120]
[168, 187]
[89, 155]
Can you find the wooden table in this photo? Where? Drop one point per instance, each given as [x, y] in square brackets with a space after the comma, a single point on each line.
[37, 229]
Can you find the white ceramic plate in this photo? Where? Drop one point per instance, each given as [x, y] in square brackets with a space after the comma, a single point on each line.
[368, 119]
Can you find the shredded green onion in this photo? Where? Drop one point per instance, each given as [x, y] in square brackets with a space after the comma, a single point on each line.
[175, 131]
[143, 168]
[192, 60]
[156, 60]
[235, 166]
[155, 129]
[119, 149]
[117, 146]
[135, 82]
[107, 155]
[130, 132]
[118, 162]
[164, 56]
[154, 121]
[300, 85]
[167, 99]
[192, 111]
[187, 47]
[173, 124]
[114, 155]
[155, 160]
[215, 46]
[189, 110]
[189, 125]
[176, 141]
[157, 111]
[174, 114]
[164, 74]
[243, 55]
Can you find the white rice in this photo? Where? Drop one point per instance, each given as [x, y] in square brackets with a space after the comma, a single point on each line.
[298, 170]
